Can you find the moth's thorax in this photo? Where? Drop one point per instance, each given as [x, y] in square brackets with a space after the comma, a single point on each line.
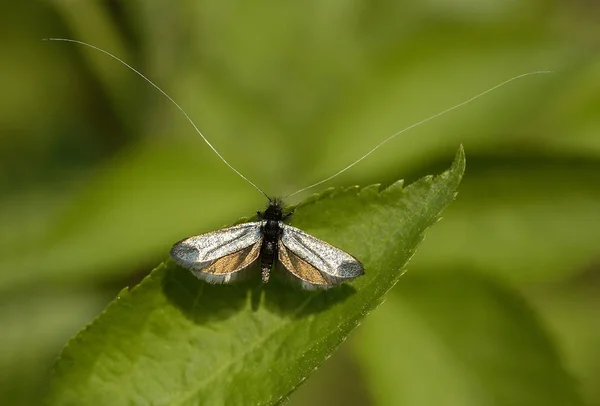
[273, 211]
[271, 229]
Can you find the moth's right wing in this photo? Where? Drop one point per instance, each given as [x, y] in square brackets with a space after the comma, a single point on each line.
[220, 256]
[315, 263]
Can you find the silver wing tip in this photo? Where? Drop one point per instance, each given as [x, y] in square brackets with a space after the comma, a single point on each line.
[186, 256]
[180, 251]
[350, 270]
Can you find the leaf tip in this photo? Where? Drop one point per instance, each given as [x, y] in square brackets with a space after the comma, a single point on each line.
[460, 161]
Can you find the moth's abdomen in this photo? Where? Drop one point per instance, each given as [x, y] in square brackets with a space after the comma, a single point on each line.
[268, 252]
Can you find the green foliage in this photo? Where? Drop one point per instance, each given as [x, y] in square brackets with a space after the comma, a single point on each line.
[176, 340]
[475, 340]
[567, 310]
[88, 235]
[99, 175]
[46, 319]
[517, 204]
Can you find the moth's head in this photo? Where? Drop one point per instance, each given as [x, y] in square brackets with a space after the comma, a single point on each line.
[274, 210]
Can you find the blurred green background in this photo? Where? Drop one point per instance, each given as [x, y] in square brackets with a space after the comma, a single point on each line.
[99, 175]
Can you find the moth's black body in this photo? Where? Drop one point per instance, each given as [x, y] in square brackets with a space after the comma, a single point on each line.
[271, 231]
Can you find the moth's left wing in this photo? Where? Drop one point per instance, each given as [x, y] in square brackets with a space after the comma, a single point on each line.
[220, 256]
[316, 263]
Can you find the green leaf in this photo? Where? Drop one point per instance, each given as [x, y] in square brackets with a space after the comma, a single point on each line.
[174, 340]
[461, 339]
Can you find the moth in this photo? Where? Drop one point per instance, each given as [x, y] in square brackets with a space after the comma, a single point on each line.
[229, 254]
[226, 255]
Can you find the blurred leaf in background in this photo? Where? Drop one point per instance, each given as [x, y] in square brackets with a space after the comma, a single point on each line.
[91, 157]
[471, 341]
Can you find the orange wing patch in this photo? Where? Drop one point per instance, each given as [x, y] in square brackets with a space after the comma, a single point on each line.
[235, 261]
[300, 268]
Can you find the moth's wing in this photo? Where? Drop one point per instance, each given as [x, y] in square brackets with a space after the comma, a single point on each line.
[231, 267]
[301, 271]
[316, 263]
[220, 256]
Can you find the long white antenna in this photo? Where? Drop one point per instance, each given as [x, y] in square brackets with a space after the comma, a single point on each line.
[413, 126]
[168, 97]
